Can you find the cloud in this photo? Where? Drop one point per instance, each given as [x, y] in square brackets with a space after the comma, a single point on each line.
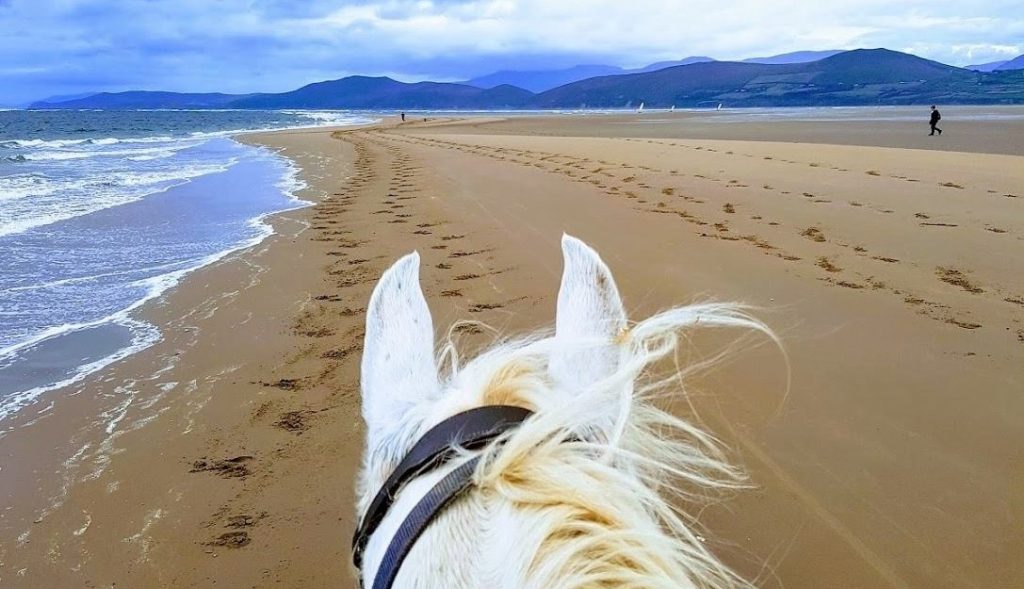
[67, 46]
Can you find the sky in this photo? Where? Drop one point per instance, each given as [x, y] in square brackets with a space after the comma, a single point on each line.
[60, 47]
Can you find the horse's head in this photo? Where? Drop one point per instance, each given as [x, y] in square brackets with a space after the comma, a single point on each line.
[402, 392]
[575, 485]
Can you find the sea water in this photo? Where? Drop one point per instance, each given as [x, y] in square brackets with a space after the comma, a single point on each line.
[101, 211]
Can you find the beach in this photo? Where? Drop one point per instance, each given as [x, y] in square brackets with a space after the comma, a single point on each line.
[883, 445]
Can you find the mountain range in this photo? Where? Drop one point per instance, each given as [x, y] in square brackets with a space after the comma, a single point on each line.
[1017, 63]
[985, 67]
[858, 77]
[542, 80]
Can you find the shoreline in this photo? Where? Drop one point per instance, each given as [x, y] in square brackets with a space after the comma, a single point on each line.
[89, 427]
[235, 440]
[139, 333]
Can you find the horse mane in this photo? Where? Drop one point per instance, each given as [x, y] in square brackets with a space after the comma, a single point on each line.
[611, 483]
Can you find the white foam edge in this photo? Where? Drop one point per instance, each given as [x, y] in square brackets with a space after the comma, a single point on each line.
[158, 285]
[23, 226]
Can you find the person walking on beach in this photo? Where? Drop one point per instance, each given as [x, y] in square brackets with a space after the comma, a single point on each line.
[403, 116]
[936, 117]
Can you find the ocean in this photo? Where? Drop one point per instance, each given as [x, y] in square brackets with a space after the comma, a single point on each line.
[102, 211]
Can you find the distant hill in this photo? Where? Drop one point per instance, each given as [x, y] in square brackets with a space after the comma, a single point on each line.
[143, 99]
[541, 80]
[1017, 63]
[362, 92]
[794, 57]
[985, 67]
[859, 77]
[65, 97]
[664, 64]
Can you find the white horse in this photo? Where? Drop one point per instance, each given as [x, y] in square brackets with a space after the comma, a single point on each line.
[590, 490]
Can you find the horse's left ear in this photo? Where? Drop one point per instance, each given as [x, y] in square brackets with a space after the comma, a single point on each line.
[589, 320]
[398, 370]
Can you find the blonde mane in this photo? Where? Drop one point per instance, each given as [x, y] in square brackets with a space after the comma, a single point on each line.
[599, 488]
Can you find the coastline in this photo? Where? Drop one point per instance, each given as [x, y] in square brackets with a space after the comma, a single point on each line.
[62, 337]
[78, 429]
[230, 447]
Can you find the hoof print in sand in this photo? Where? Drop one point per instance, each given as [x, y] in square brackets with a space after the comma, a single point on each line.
[342, 353]
[814, 234]
[481, 307]
[229, 468]
[293, 421]
[285, 384]
[962, 324]
[827, 265]
[957, 278]
[236, 539]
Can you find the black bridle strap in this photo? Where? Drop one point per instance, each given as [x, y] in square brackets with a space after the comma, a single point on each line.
[470, 429]
[433, 503]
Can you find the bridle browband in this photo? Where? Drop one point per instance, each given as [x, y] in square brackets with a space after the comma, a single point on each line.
[470, 430]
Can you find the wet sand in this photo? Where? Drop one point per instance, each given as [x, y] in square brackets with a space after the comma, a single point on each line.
[226, 454]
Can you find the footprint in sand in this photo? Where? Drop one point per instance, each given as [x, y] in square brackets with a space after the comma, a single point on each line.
[814, 234]
[962, 324]
[480, 307]
[844, 283]
[827, 265]
[463, 254]
[291, 421]
[239, 539]
[957, 278]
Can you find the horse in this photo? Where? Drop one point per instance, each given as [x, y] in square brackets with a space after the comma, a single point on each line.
[586, 491]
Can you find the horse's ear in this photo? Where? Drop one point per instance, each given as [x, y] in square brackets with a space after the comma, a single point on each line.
[589, 319]
[398, 370]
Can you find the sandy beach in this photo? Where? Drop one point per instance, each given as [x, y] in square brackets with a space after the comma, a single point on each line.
[886, 451]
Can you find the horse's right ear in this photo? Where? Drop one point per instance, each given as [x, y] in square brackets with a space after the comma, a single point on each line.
[398, 370]
[589, 319]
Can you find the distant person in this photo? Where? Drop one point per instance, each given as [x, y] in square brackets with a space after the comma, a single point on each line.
[936, 117]
[403, 116]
